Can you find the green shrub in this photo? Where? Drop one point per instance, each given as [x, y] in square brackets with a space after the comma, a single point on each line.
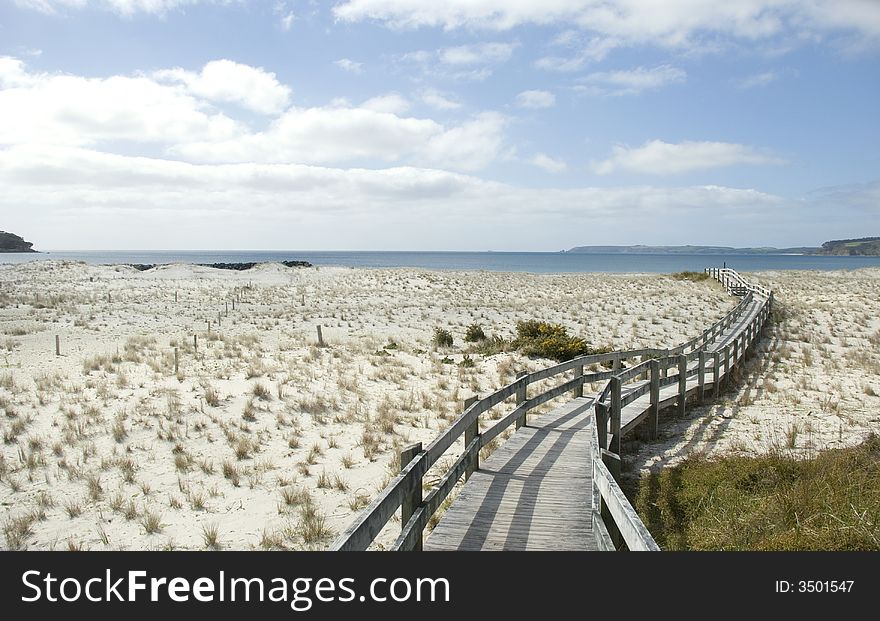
[467, 362]
[474, 333]
[539, 339]
[442, 337]
[692, 276]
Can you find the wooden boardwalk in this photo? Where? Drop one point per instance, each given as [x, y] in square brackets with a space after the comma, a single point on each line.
[533, 493]
[553, 484]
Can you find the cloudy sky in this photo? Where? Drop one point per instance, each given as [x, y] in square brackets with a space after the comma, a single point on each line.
[457, 125]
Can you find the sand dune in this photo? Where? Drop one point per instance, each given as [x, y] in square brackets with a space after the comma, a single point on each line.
[814, 386]
[265, 440]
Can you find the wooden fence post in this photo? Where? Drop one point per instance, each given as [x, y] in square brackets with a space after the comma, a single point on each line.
[716, 373]
[412, 500]
[176, 362]
[701, 376]
[614, 444]
[727, 364]
[227, 308]
[682, 383]
[602, 424]
[521, 394]
[654, 415]
[578, 391]
[57, 345]
[196, 344]
[471, 432]
[320, 337]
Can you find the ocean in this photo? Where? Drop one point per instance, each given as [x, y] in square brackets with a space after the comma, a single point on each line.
[536, 262]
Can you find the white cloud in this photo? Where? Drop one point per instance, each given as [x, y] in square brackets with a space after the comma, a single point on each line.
[438, 101]
[630, 82]
[227, 81]
[477, 54]
[172, 109]
[756, 80]
[549, 164]
[346, 64]
[63, 194]
[662, 158]
[391, 103]
[67, 109]
[668, 23]
[345, 134]
[536, 99]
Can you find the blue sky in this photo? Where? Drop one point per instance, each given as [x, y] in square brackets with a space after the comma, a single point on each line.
[401, 124]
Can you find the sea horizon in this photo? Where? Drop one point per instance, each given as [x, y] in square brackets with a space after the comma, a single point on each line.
[487, 260]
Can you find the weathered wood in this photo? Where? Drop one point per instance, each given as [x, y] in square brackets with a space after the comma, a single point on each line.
[634, 394]
[654, 415]
[361, 533]
[578, 390]
[57, 345]
[533, 493]
[176, 362]
[503, 423]
[521, 395]
[614, 444]
[626, 520]
[701, 376]
[320, 337]
[412, 500]
[682, 384]
[471, 433]
[413, 529]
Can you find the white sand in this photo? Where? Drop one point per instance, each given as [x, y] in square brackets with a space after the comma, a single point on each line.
[104, 437]
[814, 386]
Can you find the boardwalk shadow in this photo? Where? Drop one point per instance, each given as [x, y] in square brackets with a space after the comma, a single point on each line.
[503, 468]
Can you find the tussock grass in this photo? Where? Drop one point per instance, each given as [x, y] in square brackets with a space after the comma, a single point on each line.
[691, 276]
[772, 502]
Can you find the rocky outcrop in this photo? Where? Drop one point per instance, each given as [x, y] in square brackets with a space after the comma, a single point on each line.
[10, 242]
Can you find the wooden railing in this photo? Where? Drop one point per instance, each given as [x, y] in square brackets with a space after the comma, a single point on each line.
[405, 491]
[614, 520]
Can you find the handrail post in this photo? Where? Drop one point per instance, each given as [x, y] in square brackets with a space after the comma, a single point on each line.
[716, 373]
[654, 415]
[578, 391]
[521, 395]
[701, 376]
[615, 364]
[727, 365]
[412, 500]
[602, 424]
[682, 383]
[735, 351]
[614, 445]
[471, 432]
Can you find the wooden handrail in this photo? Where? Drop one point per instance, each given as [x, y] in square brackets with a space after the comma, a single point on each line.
[608, 405]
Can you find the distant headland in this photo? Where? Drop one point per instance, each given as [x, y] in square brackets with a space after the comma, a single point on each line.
[866, 246]
[10, 242]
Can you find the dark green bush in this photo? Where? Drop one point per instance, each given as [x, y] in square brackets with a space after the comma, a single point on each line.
[474, 333]
[442, 337]
[539, 339]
